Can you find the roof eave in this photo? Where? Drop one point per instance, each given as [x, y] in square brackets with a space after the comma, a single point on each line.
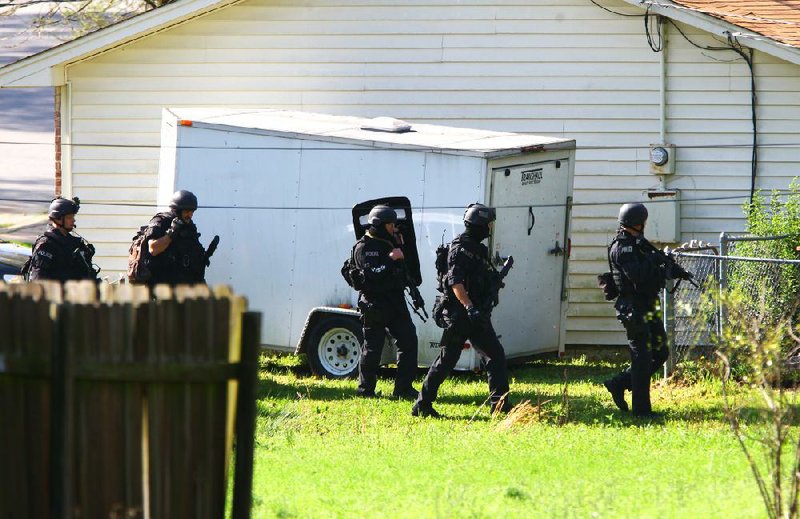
[722, 28]
[46, 69]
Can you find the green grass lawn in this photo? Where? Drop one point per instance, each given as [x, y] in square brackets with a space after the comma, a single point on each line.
[322, 453]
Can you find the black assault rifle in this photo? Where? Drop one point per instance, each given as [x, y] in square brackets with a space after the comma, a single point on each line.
[212, 248]
[417, 303]
[496, 281]
[673, 270]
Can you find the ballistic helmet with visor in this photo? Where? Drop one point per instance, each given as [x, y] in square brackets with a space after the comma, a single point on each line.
[183, 200]
[480, 215]
[631, 215]
[61, 207]
[381, 215]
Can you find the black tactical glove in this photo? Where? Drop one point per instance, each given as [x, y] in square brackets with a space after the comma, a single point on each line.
[177, 227]
[678, 272]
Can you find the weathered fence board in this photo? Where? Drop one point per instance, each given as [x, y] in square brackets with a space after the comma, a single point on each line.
[120, 405]
[25, 401]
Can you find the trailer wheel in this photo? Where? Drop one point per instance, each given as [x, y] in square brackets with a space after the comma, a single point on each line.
[334, 347]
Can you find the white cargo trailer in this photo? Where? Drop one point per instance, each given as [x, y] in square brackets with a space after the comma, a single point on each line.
[278, 187]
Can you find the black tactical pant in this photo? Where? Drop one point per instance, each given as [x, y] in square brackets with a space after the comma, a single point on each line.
[647, 342]
[484, 339]
[376, 321]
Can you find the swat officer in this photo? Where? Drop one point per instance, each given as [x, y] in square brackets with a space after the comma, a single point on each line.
[60, 254]
[383, 306]
[172, 240]
[640, 272]
[466, 313]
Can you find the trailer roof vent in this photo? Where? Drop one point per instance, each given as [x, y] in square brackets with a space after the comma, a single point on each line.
[387, 124]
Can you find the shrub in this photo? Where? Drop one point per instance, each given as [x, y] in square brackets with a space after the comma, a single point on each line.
[769, 291]
[771, 443]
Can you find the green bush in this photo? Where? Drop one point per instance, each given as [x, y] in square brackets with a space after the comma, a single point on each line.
[769, 290]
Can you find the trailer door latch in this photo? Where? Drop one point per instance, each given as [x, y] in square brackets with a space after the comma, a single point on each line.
[558, 250]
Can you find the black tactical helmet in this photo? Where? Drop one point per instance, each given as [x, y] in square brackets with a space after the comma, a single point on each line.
[631, 215]
[381, 215]
[60, 207]
[480, 215]
[183, 200]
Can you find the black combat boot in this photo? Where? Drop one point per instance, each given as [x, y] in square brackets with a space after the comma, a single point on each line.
[617, 394]
[406, 394]
[424, 410]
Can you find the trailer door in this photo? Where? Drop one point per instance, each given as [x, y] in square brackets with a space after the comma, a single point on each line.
[532, 212]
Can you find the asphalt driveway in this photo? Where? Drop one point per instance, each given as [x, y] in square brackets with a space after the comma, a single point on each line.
[27, 152]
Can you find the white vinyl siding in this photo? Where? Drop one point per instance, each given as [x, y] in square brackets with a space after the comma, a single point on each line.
[566, 69]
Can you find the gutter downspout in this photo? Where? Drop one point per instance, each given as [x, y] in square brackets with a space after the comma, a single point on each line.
[65, 140]
[57, 140]
[662, 96]
[667, 303]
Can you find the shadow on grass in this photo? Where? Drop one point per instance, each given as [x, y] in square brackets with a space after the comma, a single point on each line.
[595, 409]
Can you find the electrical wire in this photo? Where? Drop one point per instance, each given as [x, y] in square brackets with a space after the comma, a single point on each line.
[732, 45]
[777, 192]
[394, 148]
[695, 44]
[34, 2]
[735, 46]
[748, 58]
[615, 12]
[656, 45]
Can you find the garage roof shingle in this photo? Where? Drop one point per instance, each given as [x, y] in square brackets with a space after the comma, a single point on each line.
[778, 20]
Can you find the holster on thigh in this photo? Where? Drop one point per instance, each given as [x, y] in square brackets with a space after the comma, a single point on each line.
[636, 328]
[370, 312]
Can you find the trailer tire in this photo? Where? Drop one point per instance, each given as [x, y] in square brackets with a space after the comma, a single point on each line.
[334, 347]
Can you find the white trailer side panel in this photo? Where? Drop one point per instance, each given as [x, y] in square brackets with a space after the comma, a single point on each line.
[450, 180]
[255, 255]
[339, 180]
[283, 211]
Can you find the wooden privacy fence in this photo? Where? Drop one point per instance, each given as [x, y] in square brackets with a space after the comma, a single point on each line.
[123, 403]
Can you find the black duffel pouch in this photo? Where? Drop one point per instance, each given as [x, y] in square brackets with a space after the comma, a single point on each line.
[606, 280]
[438, 312]
[606, 283]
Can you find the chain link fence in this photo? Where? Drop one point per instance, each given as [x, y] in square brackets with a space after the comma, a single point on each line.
[683, 303]
[747, 264]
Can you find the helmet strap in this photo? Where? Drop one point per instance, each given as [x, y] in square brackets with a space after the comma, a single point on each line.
[633, 229]
[379, 231]
[58, 224]
[479, 232]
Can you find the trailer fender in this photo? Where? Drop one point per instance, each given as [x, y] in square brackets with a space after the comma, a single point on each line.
[315, 315]
[332, 341]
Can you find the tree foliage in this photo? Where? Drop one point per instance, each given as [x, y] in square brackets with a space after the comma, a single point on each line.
[78, 16]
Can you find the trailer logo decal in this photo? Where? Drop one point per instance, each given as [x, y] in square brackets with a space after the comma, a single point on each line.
[531, 176]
